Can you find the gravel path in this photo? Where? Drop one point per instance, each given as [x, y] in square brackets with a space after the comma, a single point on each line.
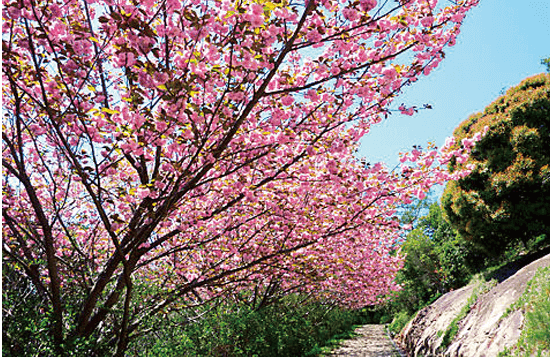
[371, 341]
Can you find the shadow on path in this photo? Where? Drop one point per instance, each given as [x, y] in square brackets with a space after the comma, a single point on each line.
[371, 341]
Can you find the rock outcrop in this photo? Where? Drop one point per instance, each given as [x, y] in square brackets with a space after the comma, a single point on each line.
[484, 324]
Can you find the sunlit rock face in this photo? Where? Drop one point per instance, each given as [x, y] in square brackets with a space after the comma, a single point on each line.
[485, 330]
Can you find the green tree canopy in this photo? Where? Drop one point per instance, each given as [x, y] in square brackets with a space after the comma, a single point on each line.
[506, 197]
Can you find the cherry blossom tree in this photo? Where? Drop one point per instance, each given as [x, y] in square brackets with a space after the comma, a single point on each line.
[204, 148]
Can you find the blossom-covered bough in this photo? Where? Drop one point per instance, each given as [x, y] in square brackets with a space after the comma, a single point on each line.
[204, 148]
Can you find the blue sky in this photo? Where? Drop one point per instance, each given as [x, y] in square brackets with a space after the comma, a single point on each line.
[501, 43]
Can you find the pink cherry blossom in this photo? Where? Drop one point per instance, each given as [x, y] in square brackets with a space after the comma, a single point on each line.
[209, 147]
[255, 15]
[287, 100]
[427, 21]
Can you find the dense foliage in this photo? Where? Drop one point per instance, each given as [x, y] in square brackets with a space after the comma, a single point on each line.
[27, 320]
[437, 260]
[506, 197]
[288, 328]
[292, 326]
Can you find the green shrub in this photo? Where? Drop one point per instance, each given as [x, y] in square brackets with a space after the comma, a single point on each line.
[437, 261]
[26, 320]
[505, 199]
[399, 321]
[285, 328]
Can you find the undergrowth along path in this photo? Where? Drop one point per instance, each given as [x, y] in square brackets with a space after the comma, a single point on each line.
[371, 341]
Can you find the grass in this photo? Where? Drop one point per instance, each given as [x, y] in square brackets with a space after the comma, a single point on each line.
[535, 302]
[480, 287]
[399, 322]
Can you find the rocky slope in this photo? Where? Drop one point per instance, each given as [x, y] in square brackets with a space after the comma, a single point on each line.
[479, 311]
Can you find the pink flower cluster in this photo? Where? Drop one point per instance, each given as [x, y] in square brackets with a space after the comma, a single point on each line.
[209, 146]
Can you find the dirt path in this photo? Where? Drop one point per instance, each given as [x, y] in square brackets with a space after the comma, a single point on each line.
[371, 341]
